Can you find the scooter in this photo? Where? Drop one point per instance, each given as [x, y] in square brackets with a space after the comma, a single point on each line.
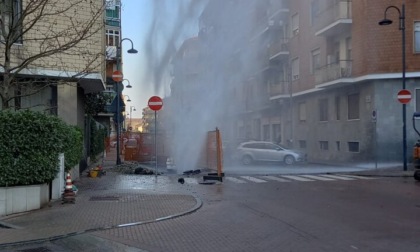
[416, 150]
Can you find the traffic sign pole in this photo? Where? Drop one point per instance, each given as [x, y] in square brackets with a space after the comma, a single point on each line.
[117, 76]
[404, 97]
[155, 103]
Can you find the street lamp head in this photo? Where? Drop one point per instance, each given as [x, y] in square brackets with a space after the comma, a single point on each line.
[129, 85]
[132, 51]
[385, 21]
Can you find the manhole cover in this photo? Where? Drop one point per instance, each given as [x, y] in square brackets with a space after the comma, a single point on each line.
[104, 198]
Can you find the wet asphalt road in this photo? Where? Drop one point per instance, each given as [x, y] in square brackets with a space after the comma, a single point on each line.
[375, 214]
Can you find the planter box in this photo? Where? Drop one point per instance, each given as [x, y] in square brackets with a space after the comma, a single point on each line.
[18, 199]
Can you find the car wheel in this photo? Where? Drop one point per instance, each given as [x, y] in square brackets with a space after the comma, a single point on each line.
[289, 160]
[417, 175]
[246, 160]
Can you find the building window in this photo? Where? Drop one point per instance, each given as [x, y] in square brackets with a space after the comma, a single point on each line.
[338, 145]
[337, 108]
[302, 112]
[112, 38]
[276, 133]
[353, 146]
[266, 132]
[315, 60]
[295, 24]
[314, 10]
[302, 144]
[323, 145]
[353, 107]
[295, 69]
[11, 11]
[417, 37]
[348, 49]
[323, 110]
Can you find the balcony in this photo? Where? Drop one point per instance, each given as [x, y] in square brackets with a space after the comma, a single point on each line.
[335, 19]
[333, 71]
[279, 49]
[278, 8]
[278, 89]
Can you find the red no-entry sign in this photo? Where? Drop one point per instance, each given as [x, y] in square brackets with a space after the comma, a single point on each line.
[155, 103]
[404, 96]
[117, 76]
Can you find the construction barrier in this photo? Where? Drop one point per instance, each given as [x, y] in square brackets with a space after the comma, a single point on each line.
[214, 155]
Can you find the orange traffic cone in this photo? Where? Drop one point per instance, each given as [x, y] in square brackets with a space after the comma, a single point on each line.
[69, 195]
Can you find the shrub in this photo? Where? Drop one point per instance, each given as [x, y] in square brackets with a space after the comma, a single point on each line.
[29, 146]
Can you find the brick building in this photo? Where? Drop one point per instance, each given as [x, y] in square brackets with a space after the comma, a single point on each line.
[312, 72]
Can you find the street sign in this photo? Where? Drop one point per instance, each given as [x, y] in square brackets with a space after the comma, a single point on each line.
[117, 76]
[404, 96]
[155, 103]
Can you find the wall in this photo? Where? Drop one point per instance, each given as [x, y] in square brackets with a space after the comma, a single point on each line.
[20, 199]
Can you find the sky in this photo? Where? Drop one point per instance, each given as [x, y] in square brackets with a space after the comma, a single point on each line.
[137, 16]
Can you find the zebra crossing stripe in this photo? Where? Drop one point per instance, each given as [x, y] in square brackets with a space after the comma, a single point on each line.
[317, 177]
[337, 177]
[275, 178]
[356, 176]
[235, 180]
[296, 178]
[256, 180]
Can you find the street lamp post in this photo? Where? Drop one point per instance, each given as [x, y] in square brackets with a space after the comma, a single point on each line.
[131, 51]
[132, 108]
[386, 21]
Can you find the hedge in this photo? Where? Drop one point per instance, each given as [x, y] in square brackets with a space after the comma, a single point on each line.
[30, 143]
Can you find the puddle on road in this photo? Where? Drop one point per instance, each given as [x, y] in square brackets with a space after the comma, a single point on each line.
[146, 182]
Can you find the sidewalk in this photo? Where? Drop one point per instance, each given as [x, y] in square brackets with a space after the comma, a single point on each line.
[101, 203]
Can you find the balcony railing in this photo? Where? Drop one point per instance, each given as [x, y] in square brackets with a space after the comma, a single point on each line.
[333, 71]
[278, 48]
[279, 88]
[332, 13]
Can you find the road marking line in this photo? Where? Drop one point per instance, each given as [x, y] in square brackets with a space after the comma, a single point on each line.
[235, 180]
[275, 178]
[317, 177]
[337, 177]
[252, 179]
[356, 176]
[296, 178]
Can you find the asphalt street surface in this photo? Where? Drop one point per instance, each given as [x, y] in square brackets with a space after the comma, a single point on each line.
[319, 208]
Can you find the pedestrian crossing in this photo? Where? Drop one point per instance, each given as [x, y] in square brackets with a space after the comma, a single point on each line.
[283, 178]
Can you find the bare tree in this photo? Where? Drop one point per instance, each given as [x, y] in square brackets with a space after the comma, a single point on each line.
[48, 42]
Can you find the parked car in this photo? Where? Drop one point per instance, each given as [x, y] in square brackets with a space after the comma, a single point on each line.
[252, 151]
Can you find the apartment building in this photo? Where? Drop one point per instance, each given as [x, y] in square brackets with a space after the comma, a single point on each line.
[346, 79]
[318, 75]
[54, 57]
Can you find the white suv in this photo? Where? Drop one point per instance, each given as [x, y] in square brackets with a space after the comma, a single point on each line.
[249, 152]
